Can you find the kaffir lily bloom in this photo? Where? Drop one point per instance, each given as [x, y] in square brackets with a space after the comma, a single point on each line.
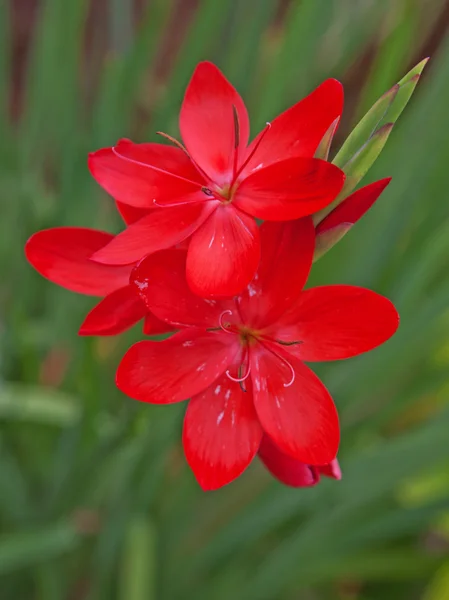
[242, 360]
[210, 189]
[62, 255]
[292, 472]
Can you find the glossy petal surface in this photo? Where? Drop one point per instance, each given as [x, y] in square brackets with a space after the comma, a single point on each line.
[176, 368]
[221, 433]
[62, 255]
[290, 189]
[296, 412]
[287, 252]
[337, 321]
[207, 121]
[138, 174]
[161, 228]
[299, 130]
[223, 253]
[160, 280]
[117, 312]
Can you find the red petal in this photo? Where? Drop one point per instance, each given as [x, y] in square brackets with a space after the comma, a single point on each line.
[176, 368]
[131, 214]
[221, 433]
[355, 206]
[223, 253]
[331, 470]
[300, 418]
[160, 280]
[287, 252]
[62, 256]
[289, 189]
[337, 321]
[119, 311]
[139, 185]
[285, 468]
[207, 121]
[154, 326]
[161, 228]
[299, 130]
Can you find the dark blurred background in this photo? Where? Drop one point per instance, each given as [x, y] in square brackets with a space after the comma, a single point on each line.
[96, 500]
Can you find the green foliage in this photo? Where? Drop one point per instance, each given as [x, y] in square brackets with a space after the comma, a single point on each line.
[96, 500]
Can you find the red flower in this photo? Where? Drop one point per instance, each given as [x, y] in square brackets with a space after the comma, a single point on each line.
[213, 188]
[241, 360]
[293, 472]
[339, 221]
[62, 255]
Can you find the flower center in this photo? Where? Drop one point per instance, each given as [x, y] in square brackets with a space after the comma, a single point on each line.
[249, 337]
[224, 194]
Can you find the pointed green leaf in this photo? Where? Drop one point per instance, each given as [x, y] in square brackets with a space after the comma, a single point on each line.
[325, 145]
[402, 97]
[357, 168]
[360, 163]
[417, 70]
[387, 109]
[365, 129]
[325, 240]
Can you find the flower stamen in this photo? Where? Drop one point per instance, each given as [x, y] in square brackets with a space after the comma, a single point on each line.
[253, 152]
[241, 378]
[283, 361]
[148, 166]
[184, 149]
[173, 204]
[174, 141]
[236, 140]
[225, 326]
[288, 343]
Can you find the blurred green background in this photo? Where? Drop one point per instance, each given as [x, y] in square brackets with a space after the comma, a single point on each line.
[96, 500]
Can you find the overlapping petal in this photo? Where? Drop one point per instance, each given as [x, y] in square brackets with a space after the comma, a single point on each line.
[161, 228]
[221, 433]
[131, 214]
[62, 255]
[299, 130]
[337, 321]
[160, 280]
[285, 468]
[176, 368]
[154, 326]
[223, 253]
[293, 472]
[331, 470]
[294, 407]
[286, 259]
[139, 174]
[117, 312]
[289, 189]
[207, 121]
